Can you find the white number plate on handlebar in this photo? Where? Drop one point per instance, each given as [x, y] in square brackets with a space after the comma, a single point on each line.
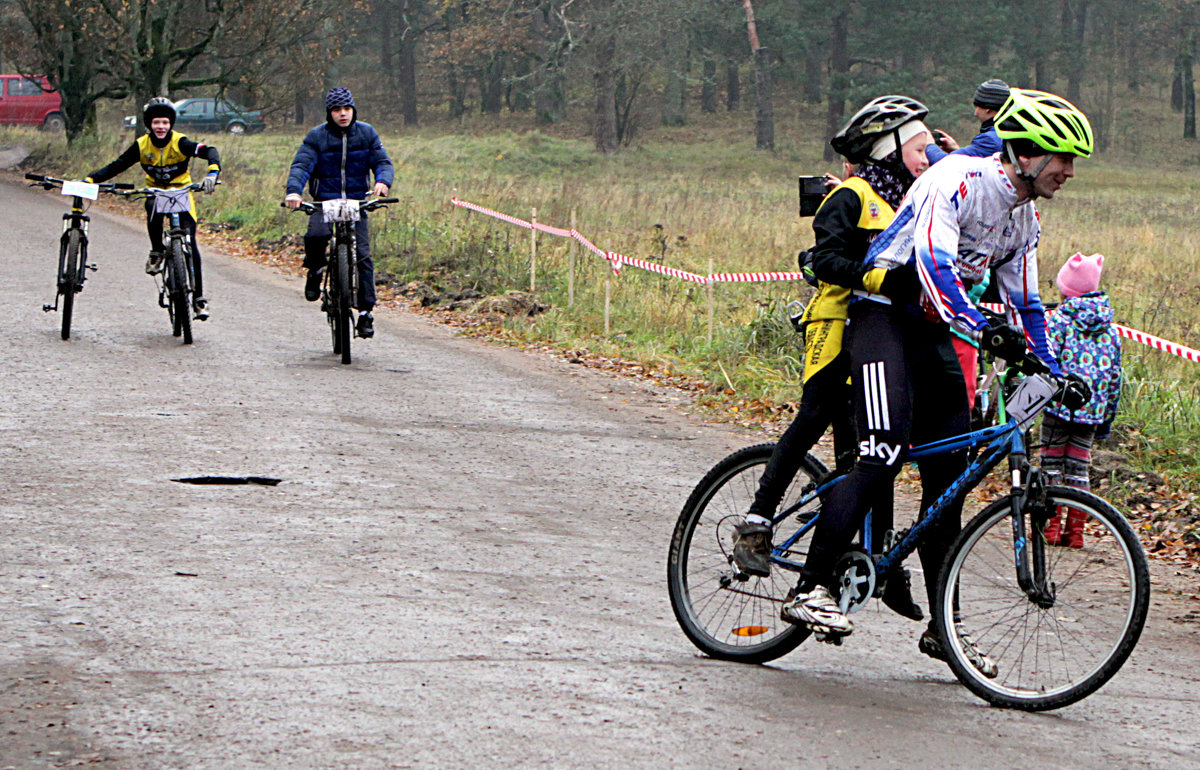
[172, 201]
[82, 189]
[340, 210]
[1030, 398]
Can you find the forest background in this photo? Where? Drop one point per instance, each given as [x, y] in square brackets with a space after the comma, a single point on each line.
[670, 131]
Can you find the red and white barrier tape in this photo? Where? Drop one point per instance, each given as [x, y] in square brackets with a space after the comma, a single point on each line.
[617, 260]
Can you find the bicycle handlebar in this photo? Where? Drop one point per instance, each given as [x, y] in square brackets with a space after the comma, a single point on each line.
[311, 207]
[49, 183]
[128, 191]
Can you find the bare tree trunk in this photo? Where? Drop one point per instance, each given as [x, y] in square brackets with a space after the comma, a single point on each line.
[1076, 14]
[733, 85]
[708, 86]
[549, 98]
[491, 86]
[604, 80]
[839, 71]
[406, 68]
[674, 90]
[764, 110]
[812, 75]
[1189, 84]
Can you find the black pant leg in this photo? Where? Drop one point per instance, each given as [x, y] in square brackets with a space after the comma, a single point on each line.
[882, 394]
[823, 400]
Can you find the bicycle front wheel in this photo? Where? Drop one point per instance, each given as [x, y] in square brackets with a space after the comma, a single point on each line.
[177, 286]
[724, 616]
[1056, 651]
[343, 323]
[70, 278]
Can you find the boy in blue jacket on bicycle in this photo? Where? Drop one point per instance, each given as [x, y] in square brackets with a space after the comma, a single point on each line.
[337, 160]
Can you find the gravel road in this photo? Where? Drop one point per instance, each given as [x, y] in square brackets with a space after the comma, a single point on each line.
[462, 566]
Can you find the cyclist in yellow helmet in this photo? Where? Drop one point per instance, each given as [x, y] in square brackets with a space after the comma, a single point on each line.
[962, 217]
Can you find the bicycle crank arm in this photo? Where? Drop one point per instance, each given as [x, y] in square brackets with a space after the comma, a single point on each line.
[91, 267]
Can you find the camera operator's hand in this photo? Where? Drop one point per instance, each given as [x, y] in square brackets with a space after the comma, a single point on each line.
[1075, 392]
[1003, 341]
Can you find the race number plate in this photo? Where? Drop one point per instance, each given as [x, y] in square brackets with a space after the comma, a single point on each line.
[340, 210]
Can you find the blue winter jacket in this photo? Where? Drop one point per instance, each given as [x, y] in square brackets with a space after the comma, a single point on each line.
[986, 142]
[337, 163]
[1081, 334]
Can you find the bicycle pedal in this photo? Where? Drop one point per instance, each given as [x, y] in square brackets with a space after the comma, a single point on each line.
[834, 639]
[91, 267]
[47, 308]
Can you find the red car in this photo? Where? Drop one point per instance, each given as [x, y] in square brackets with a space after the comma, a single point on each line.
[30, 102]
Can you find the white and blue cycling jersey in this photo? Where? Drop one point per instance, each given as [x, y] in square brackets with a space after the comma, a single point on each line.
[960, 219]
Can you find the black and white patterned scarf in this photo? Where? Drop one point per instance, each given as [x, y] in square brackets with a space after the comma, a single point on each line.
[889, 178]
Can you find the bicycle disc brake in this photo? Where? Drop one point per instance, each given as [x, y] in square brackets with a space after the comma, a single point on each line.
[855, 573]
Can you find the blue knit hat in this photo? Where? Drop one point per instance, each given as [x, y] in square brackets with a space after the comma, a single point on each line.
[338, 97]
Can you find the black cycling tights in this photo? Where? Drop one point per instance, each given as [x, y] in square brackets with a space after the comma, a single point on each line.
[154, 227]
[825, 400]
[908, 389]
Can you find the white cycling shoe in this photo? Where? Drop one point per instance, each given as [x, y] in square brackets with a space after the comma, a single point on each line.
[819, 612]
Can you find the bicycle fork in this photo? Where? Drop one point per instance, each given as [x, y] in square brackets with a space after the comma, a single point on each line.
[74, 219]
[1029, 551]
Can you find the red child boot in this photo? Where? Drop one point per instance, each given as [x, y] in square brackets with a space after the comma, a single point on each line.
[1073, 536]
[1053, 530]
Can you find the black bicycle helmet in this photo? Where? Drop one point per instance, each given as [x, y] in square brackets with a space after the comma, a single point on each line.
[158, 107]
[876, 118]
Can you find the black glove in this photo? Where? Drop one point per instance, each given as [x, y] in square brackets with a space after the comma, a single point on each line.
[1003, 341]
[1075, 392]
[804, 260]
[900, 284]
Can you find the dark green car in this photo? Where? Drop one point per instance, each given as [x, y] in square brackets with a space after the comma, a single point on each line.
[206, 115]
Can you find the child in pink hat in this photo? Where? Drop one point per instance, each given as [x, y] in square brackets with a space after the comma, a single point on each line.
[1081, 335]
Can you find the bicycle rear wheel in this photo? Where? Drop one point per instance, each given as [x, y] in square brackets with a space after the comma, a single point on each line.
[726, 617]
[177, 286]
[69, 279]
[1048, 657]
[343, 323]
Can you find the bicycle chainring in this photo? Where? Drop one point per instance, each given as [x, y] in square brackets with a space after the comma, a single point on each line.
[855, 574]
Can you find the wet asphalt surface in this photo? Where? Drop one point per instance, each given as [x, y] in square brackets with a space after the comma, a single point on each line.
[463, 564]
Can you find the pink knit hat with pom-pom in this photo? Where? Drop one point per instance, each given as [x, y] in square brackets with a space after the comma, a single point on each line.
[1080, 274]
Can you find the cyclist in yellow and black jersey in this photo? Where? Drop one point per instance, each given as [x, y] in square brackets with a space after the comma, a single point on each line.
[885, 142]
[165, 156]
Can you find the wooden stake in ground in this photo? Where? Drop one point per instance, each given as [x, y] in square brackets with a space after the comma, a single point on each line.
[571, 264]
[533, 253]
[710, 300]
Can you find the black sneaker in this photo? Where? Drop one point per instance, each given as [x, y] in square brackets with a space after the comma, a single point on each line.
[897, 596]
[931, 645]
[154, 263]
[752, 548]
[312, 285]
[366, 326]
[200, 308]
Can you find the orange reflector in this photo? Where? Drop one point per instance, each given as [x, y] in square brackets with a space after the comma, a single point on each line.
[750, 631]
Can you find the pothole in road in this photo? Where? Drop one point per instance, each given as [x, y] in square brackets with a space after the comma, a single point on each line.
[262, 481]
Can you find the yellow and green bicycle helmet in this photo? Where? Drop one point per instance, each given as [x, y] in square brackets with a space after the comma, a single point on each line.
[1048, 121]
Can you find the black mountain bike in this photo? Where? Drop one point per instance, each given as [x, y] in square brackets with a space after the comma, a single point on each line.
[73, 244]
[175, 290]
[340, 285]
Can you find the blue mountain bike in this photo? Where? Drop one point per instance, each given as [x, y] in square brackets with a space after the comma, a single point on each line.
[1058, 622]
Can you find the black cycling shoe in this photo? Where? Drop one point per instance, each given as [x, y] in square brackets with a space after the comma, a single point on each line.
[897, 596]
[312, 285]
[752, 549]
[366, 326]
